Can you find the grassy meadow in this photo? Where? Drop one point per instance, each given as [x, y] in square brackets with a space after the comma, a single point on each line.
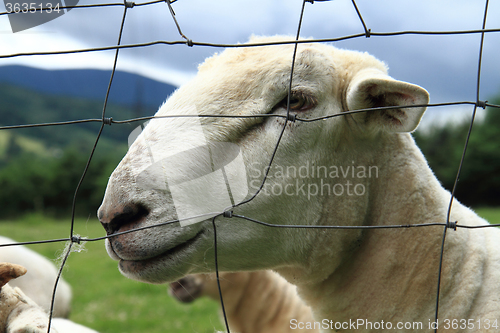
[108, 302]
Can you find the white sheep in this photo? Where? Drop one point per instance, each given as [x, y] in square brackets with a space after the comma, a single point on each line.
[260, 301]
[357, 169]
[20, 314]
[38, 283]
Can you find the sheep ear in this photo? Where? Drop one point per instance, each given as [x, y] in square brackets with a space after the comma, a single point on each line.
[372, 88]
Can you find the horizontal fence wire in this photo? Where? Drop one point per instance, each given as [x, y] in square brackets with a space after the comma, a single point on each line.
[367, 33]
[109, 121]
[222, 45]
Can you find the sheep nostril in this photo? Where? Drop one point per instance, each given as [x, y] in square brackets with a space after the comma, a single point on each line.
[128, 215]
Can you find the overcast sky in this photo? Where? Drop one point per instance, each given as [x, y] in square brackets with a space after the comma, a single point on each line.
[445, 65]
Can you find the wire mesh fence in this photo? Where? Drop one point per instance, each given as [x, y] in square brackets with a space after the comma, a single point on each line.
[365, 32]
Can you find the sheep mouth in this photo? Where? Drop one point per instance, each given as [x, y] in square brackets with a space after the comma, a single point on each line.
[173, 254]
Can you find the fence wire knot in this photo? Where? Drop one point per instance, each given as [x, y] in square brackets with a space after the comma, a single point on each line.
[291, 117]
[107, 121]
[481, 104]
[189, 42]
[228, 213]
[452, 225]
[76, 239]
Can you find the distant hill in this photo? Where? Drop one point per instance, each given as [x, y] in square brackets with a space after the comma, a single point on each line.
[30, 95]
[127, 89]
[25, 106]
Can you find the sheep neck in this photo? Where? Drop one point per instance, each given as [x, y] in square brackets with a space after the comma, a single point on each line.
[390, 274]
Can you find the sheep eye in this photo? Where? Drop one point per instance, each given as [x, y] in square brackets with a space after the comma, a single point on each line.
[299, 102]
[296, 103]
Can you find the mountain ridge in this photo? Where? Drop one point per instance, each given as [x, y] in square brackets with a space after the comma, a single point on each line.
[128, 89]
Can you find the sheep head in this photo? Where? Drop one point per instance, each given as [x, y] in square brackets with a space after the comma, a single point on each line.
[196, 165]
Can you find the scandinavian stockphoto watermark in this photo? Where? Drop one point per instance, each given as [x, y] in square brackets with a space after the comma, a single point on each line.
[26, 14]
[204, 177]
[309, 179]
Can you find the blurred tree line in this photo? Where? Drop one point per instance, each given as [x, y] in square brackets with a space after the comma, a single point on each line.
[479, 182]
[40, 167]
[31, 183]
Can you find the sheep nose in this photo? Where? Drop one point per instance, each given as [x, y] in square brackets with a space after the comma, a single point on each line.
[121, 217]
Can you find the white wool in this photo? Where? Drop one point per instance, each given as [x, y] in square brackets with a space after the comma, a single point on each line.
[20, 314]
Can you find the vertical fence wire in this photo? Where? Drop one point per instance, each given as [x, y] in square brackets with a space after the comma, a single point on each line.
[462, 159]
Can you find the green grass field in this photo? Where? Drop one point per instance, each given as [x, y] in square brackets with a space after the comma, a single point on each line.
[108, 302]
